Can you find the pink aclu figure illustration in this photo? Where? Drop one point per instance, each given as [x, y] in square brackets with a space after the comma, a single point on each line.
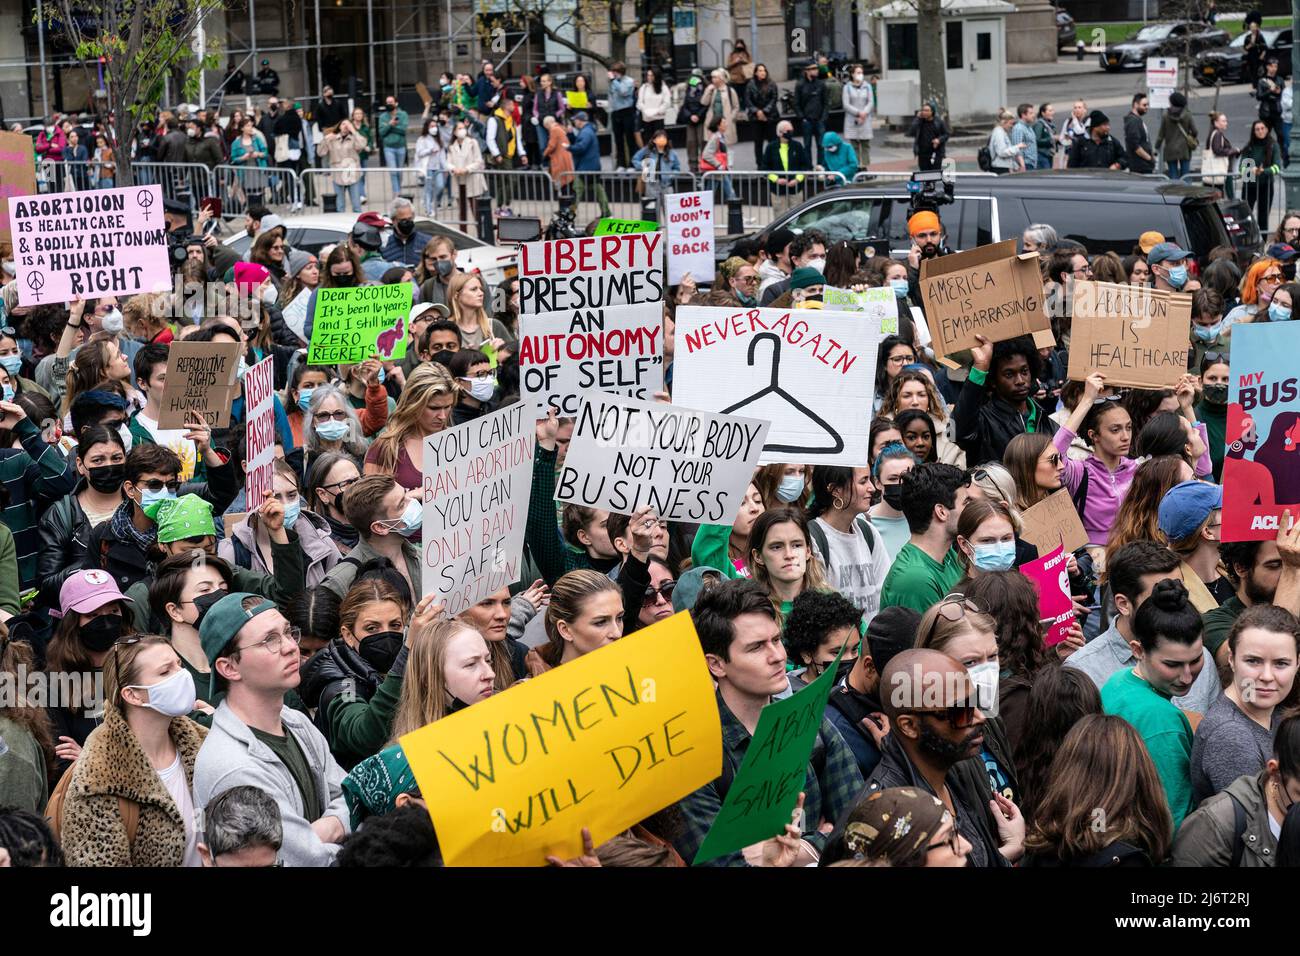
[388, 340]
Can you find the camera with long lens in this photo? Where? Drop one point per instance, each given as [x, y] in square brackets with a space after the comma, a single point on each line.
[929, 189]
[562, 225]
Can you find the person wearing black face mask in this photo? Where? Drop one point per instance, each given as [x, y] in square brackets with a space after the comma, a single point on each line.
[65, 526]
[92, 616]
[1213, 406]
[820, 623]
[886, 515]
[406, 243]
[355, 681]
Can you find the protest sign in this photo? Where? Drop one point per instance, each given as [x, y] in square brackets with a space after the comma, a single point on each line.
[880, 305]
[690, 236]
[767, 785]
[1052, 580]
[17, 175]
[1053, 521]
[1133, 335]
[353, 324]
[989, 291]
[477, 478]
[624, 227]
[688, 466]
[565, 355]
[1261, 465]
[89, 244]
[591, 273]
[259, 404]
[202, 378]
[809, 372]
[602, 742]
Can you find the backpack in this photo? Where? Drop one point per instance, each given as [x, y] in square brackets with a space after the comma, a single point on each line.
[823, 546]
[985, 158]
[129, 809]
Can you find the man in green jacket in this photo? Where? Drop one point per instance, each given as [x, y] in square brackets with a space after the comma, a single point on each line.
[391, 126]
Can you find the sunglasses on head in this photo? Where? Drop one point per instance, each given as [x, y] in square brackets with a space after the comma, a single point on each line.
[952, 608]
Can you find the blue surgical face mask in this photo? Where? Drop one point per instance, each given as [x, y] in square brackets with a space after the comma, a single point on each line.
[1277, 313]
[381, 377]
[999, 556]
[12, 363]
[1207, 333]
[304, 398]
[899, 286]
[1177, 276]
[790, 489]
[148, 497]
[412, 519]
[291, 512]
[332, 430]
[9, 393]
[242, 370]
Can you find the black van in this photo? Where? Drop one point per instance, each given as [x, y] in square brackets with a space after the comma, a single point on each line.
[1105, 211]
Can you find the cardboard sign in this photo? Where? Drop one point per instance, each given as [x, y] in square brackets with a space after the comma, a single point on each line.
[1261, 465]
[17, 175]
[880, 305]
[1053, 521]
[259, 402]
[477, 478]
[690, 236]
[763, 795]
[989, 291]
[601, 742]
[810, 372]
[202, 377]
[687, 465]
[624, 227]
[1052, 580]
[595, 272]
[1133, 335]
[352, 325]
[566, 355]
[89, 244]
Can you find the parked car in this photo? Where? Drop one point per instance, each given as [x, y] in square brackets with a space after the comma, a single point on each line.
[1105, 211]
[312, 233]
[1161, 39]
[1065, 31]
[1225, 64]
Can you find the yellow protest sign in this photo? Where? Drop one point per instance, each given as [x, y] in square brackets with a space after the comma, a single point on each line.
[601, 742]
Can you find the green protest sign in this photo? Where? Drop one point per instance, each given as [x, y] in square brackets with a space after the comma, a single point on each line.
[767, 787]
[351, 325]
[879, 303]
[623, 227]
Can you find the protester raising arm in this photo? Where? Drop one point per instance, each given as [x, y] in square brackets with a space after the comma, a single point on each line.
[542, 534]
[1093, 386]
[634, 576]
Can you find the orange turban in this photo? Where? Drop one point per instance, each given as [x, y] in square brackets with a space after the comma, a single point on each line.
[923, 221]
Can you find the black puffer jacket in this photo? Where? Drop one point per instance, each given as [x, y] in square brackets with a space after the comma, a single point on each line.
[333, 670]
[985, 423]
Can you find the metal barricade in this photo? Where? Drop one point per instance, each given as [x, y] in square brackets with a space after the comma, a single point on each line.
[632, 194]
[764, 195]
[239, 187]
[373, 191]
[186, 182]
[523, 192]
[886, 177]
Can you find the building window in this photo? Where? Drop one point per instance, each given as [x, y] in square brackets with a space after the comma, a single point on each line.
[983, 46]
[815, 21]
[900, 39]
[955, 59]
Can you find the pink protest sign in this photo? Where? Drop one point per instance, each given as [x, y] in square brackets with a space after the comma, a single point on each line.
[17, 174]
[1052, 580]
[89, 244]
[259, 399]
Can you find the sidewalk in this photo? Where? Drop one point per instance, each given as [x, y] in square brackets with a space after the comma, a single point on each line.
[1064, 66]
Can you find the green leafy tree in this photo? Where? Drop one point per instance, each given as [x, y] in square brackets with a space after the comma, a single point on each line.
[141, 42]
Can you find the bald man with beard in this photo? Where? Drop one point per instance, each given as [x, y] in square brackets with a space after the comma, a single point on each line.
[934, 743]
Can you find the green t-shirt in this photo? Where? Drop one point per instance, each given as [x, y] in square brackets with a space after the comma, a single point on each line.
[289, 753]
[918, 581]
[1163, 728]
[1218, 621]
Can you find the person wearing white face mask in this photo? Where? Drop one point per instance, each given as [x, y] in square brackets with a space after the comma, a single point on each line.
[130, 798]
[385, 517]
[476, 383]
[859, 104]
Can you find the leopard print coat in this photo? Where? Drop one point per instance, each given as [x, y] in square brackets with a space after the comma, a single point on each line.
[113, 764]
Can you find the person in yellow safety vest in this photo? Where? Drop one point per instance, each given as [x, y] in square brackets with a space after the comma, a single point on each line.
[784, 155]
[505, 150]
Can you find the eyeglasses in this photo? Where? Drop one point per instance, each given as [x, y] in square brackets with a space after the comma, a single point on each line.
[958, 716]
[952, 608]
[338, 416]
[748, 280]
[953, 842]
[154, 484]
[652, 594]
[274, 642]
[901, 359]
[343, 485]
[1271, 277]
[974, 475]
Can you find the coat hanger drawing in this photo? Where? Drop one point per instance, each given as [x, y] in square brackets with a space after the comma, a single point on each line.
[774, 386]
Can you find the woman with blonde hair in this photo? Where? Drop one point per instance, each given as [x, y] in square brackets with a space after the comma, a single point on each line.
[98, 364]
[585, 613]
[1102, 773]
[467, 299]
[450, 668]
[1108, 267]
[784, 484]
[425, 409]
[130, 800]
[915, 389]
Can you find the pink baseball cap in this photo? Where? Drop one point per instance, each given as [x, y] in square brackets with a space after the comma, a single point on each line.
[249, 275]
[86, 591]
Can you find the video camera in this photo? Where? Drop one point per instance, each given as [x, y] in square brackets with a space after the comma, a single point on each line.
[929, 189]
